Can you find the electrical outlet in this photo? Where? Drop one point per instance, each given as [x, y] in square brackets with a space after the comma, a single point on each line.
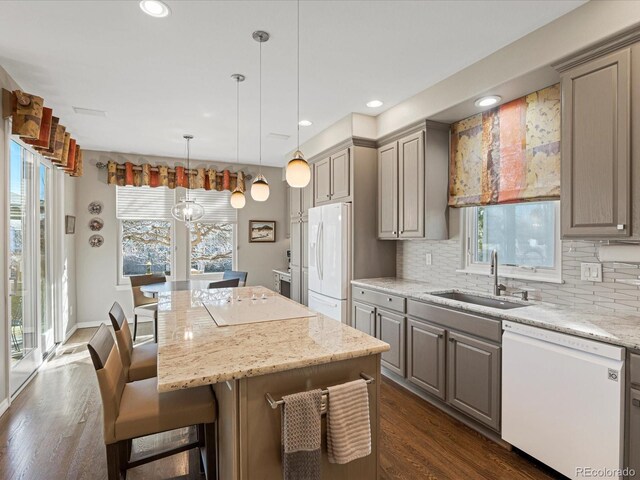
[591, 272]
[427, 259]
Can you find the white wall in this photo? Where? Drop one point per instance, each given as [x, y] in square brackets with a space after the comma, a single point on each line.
[68, 308]
[96, 268]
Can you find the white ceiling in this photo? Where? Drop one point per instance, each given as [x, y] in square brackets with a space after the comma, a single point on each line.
[160, 78]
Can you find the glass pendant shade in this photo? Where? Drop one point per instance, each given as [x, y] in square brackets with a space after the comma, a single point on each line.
[238, 199]
[260, 189]
[298, 171]
[187, 211]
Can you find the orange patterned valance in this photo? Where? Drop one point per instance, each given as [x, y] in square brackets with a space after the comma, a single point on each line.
[35, 124]
[162, 176]
[508, 154]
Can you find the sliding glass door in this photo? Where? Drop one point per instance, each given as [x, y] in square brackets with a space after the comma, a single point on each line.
[26, 354]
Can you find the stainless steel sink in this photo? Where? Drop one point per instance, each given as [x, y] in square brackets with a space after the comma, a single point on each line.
[478, 300]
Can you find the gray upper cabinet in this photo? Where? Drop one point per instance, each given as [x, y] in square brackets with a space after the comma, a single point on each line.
[363, 318]
[596, 153]
[340, 175]
[411, 186]
[388, 191]
[332, 177]
[474, 378]
[426, 356]
[322, 180]
[390, 328]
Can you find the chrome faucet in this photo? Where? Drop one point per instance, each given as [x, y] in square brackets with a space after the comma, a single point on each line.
[497, 287]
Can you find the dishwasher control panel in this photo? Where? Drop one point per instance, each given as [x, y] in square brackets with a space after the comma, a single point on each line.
[566, 340]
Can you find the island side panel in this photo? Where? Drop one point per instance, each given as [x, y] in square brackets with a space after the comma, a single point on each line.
[227, 398]
[260, 425]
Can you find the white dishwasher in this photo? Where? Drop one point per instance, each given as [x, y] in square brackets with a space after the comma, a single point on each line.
[562, 400]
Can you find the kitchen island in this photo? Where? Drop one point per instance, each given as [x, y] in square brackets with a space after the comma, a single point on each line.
[246, 362]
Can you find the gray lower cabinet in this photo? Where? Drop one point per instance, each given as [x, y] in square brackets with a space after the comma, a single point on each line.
[390, 328]
[304, 286]
[426, 356]
[363, 318]
[296, 286]
[633, 415]
[473, 368]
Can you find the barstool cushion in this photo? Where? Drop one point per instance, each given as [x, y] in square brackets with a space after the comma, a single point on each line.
[143, 362]
[146, 310]
[144, 411]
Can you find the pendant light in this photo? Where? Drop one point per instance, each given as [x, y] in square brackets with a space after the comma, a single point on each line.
[187, 210]
[260, 186]
[298, 172]
[238, 199]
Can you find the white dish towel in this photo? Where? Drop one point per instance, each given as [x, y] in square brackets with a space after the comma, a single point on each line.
[348, 425]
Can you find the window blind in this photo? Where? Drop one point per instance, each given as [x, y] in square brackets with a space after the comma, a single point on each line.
[217, 206]
[144, 203]
[155, 203]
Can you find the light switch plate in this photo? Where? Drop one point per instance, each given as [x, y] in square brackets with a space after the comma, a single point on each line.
[427, 259]
[591, 272]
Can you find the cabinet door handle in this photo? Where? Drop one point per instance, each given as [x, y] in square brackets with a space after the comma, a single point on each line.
[389, 299]
[441, 335]
[452, 339]
[394, 233]
[635, 402]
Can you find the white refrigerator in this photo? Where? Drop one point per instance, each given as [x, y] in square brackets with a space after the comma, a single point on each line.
[330, 260]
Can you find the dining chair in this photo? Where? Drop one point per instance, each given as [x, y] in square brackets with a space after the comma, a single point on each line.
[241, 276]
[232, 282]
[143, 305]
[139, 361]
[136, 409]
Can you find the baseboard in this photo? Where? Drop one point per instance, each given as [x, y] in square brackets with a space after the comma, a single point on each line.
[4, 406]
[97, 323]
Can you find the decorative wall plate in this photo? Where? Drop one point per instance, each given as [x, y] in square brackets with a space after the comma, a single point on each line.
[96, 241]
[95, 208]
[96, 224]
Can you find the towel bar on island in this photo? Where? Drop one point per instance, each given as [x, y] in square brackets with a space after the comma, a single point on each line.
[325, 393]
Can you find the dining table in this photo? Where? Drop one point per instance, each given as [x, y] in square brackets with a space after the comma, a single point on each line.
[153, 289]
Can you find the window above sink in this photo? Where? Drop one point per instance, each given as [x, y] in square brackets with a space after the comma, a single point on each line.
[526, 236]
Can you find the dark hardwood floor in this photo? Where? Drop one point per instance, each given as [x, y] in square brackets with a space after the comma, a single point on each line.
[53, 430]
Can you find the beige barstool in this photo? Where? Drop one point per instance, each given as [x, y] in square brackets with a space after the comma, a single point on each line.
[136, 409]
[140, 361]
[142, 305]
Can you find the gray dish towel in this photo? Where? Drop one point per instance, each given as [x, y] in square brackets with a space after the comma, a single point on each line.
[301, 435]
[348, 426]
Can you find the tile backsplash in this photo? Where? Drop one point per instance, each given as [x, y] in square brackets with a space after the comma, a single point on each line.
[619, 290]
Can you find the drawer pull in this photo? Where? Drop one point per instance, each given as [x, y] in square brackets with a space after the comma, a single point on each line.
[636, 402]
[389, 299]
[621, 226]
[452, 339]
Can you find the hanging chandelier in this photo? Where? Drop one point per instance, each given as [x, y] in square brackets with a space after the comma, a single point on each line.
[188, 210]
[260, 186]
[298, 173]
[238, 199]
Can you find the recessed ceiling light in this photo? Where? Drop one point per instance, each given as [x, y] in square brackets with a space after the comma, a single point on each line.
[374, 104]
[488, 101]
[155, 8]
[305, 123]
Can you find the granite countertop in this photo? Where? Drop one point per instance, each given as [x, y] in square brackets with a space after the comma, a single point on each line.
[193, 351]
[282, 272]
[621, 329]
